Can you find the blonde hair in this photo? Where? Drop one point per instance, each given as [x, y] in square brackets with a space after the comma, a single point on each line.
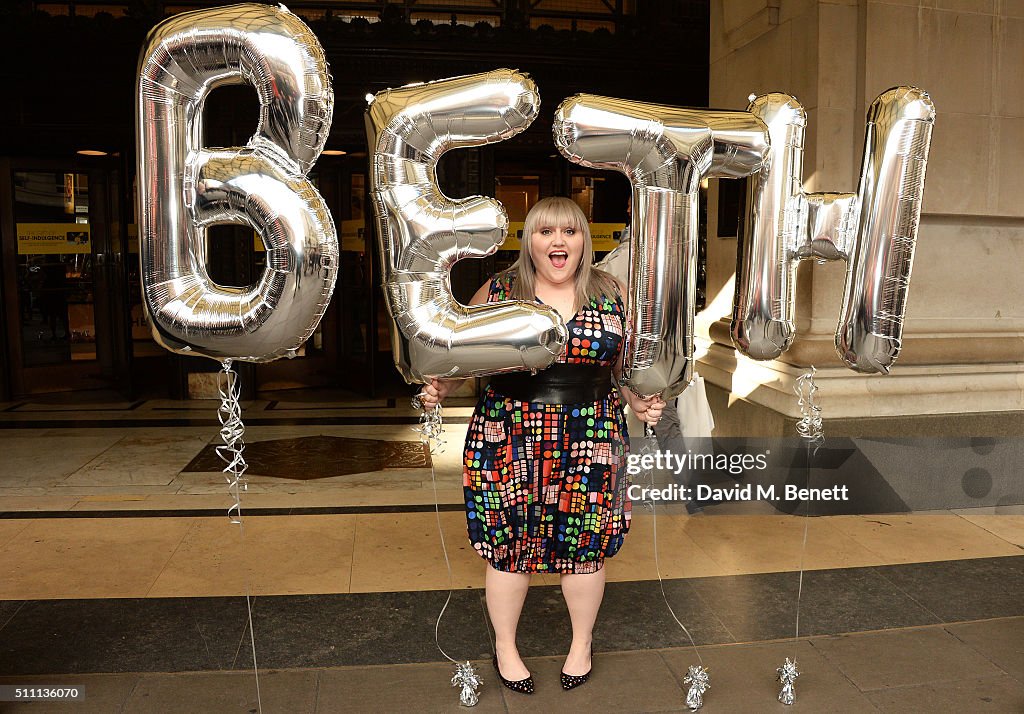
[590, 282]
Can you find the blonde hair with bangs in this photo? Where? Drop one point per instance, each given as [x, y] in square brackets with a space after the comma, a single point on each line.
[553, 212]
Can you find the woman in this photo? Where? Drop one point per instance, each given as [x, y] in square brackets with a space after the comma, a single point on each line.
[544, 464]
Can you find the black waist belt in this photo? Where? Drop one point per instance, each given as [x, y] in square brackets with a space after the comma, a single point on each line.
[558, 384]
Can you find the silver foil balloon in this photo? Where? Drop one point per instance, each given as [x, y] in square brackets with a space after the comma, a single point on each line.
[422, 233]
[184, 187]
[665, 151]
[891, 191]
[874, 230]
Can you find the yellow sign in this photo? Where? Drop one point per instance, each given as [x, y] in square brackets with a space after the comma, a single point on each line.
[604, 235]
[133, 238]
[353, 235]
[53, 238]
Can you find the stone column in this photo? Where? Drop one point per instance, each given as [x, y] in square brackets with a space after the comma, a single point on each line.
[961, 370]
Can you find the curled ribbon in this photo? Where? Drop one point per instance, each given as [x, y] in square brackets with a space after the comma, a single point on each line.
[809, 427]
[232, 431]
[431, 429]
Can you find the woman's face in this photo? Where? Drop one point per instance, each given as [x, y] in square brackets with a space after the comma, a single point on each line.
[556, 252]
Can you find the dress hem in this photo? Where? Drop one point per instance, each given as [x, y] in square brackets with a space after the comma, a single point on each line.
[565, 567]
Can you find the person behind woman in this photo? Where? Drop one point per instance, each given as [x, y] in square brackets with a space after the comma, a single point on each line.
[544, 462]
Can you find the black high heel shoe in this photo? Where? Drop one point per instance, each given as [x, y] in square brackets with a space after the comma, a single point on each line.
[571, 681]
[523, 686]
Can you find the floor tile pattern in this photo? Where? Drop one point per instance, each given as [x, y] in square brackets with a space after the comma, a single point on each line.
[373, 628]
[313, 457]
[119, 570]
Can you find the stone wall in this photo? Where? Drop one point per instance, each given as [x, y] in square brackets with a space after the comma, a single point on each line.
[963, 347]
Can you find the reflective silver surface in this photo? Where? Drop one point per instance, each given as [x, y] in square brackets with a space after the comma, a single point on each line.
[762, 324]
[664, 151]
[184, 188]
[874, 230]
[890, 194]
[421, 232]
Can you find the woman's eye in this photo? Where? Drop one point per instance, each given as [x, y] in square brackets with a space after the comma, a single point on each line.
[570, 231]
[545, 231]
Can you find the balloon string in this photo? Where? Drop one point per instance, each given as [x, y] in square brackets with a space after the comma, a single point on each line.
[430, 428]
[252, 633]
[803, 547]
[252, 642]
[650, 441]
[810, 428]
[232, 432]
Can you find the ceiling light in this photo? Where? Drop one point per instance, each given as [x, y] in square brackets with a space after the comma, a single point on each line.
[91, 152]
[334, 152]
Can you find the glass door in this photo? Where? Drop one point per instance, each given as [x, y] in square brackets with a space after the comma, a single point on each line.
[66, 279]
[357, 293]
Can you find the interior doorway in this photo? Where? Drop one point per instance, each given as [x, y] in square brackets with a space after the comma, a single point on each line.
[64, 276]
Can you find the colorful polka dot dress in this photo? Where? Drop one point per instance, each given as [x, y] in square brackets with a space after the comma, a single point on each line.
[545, 484]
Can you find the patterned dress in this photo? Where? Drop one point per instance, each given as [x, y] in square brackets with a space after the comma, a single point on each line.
[545, 484]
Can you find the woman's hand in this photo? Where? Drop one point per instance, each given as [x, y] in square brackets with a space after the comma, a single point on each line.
[434, 392]
[647, 410]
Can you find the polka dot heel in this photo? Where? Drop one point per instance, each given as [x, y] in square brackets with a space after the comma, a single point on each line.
[523, 686]
[571, 681]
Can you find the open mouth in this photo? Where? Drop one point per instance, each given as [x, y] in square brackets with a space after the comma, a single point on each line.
[558, 258]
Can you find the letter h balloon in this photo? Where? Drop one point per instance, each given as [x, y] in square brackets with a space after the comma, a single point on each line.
[873, 230]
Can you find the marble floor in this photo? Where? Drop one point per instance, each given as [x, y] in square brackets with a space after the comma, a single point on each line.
[122, 572]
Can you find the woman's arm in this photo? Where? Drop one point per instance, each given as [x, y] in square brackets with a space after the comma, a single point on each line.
[480, 296]
[434, 391]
